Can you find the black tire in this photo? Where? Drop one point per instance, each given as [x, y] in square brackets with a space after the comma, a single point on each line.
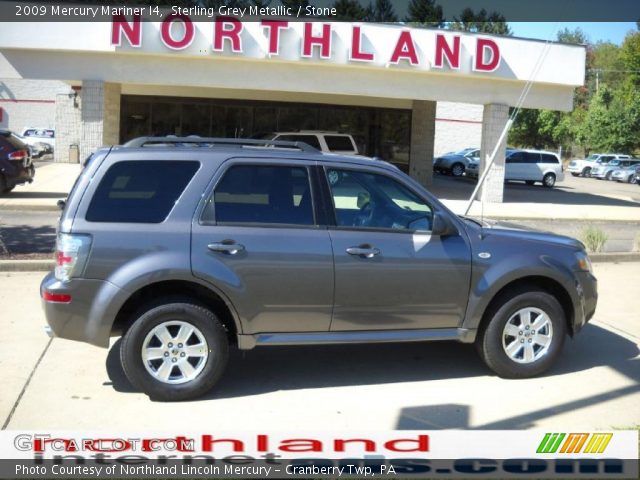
[549, 180]
[608, 175]
[4, 188]
[489, 342]
[575, 174]
[529, 182]
[195, 315]
[586, 172]
[457, 169]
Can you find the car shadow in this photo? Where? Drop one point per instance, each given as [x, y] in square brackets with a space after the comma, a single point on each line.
[270, 369]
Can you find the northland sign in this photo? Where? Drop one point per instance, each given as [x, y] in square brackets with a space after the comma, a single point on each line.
[337, 42]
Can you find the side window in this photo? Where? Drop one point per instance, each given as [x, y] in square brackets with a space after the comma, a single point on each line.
[308, 139]
[262, 194]
[548, 158]
[370, 200]
[516, 157]
[140, 191]
[339, 143]
[531, 158]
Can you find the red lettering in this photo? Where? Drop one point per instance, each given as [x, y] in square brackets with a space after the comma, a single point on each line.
[301, 445]
[132, 31]
[165, 31]
[494, 61]
[274, 34]
[405, 48]
[422, 444]
[233, 34]
[324, 40]
[444, 50]
[208, 443]
[369, 445]
[356, 52]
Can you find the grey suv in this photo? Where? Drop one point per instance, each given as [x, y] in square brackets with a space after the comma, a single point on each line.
[188, 250]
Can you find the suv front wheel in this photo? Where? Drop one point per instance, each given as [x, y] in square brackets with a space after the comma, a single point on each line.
[524, 334]
[175, 351]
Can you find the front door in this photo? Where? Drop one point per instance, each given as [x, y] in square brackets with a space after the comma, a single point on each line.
[258, 242]
[390, 272]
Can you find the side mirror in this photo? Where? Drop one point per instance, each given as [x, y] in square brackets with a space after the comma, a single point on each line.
[442, 226]
[61, 204]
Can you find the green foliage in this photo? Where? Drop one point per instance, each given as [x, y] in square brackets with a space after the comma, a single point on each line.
[630, 56]
[576, 36]
[481, 22]
[382, 12]
[425, 13]
[349, 10]
[594, 239]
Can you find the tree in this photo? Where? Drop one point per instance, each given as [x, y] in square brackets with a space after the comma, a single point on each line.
[425, 13]
[349, 10]
[481, 22]
[630, 56]
[383, 12]
[576, 36]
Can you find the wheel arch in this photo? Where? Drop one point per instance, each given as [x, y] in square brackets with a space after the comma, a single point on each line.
[523, 284]
[147, 295]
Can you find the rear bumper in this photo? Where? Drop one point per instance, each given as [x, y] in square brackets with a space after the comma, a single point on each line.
[19, 175]
[88, 316]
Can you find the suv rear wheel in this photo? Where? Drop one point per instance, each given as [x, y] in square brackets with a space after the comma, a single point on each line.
[4, 188]
[175, 351]
[524, 334]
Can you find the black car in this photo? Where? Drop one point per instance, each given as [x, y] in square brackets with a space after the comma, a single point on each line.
[15, 162]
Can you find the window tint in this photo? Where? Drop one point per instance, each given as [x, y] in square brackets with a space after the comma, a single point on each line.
[516, 157]
[337, 143]
[262, 194]
[548, 158]
[369, 200]
[531, 157]
[14, 142]
[140, 191]
[308, 139]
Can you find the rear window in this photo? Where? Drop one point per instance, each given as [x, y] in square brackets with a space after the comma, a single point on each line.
[308, 139]
[339, 143]
[140, 192]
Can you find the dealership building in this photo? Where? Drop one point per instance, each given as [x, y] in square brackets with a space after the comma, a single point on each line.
[405, 94]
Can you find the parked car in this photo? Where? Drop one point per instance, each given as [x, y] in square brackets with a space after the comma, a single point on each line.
[606, 171]
[583, 167]
[456, 163]
[16, 166]
[325, 141]
[637, 175]
[533, 166]
[41, 140]
[626, 174]
[189, 251]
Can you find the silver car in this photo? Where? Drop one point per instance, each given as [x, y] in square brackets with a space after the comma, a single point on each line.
[626, 174]
[606, 171]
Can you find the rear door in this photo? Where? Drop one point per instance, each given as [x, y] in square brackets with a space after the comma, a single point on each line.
[515, 166]
[257, 239]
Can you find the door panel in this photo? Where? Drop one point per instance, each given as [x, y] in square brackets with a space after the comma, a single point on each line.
[416, 281]
[257, 242]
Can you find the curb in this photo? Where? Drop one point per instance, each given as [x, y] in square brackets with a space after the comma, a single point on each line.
[48, 265]
[30, 208]
[26, 265]
[615, 257]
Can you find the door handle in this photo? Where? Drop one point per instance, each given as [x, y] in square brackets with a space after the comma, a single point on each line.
[363, 251]
[229, 247]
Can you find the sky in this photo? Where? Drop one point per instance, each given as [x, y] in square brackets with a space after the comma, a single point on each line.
[596, 31]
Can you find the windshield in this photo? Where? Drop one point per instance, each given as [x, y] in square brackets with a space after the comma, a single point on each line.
[593, 156]
[614, 163]
[463, 151]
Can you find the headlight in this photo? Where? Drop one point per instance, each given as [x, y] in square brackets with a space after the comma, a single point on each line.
[584, 263]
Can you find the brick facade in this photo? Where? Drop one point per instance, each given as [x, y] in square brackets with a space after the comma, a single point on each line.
[494, 119]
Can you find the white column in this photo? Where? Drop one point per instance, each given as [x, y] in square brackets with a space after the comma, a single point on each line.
[494, 119]
[423, 128]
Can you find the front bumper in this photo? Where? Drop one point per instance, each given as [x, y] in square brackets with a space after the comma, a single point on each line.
[88, 316]
[598, 174]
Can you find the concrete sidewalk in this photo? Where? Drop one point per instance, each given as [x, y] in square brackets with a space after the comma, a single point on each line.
[54, 180]
[595, 385]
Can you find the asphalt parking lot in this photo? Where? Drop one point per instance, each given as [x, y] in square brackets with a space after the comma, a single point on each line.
[59, 384]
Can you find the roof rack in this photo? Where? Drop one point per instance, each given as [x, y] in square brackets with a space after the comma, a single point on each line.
[213, 141]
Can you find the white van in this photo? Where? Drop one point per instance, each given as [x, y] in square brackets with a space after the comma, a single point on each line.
[325, 141]
[533, 166]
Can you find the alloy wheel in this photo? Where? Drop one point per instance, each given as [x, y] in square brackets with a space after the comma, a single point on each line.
[527, 335]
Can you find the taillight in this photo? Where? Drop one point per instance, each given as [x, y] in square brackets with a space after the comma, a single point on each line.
[18, 155]
[56, 297]
[72, 251]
